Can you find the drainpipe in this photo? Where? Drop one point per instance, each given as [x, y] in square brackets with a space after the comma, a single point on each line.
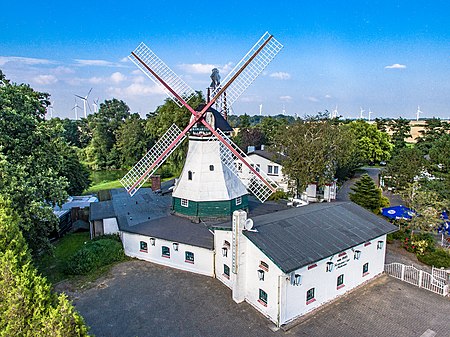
[279, 302]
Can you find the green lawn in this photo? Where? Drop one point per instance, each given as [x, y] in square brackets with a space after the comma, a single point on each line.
[52, 266]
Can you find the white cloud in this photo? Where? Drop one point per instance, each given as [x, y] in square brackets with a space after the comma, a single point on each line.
[118, 77]
[62, 70]
[286, 98]
[45, 79]
[328, 96]
[137, 72]
[205, 68]
[137, 89]
[250, 98]
[24, 60]
[139, 79]
[124, 59]
[96, 80]
[396, 66]
[280, 75]
[312, 99]
[97, 63]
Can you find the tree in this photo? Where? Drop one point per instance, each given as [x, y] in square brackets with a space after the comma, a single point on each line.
[27, 305]
[313, 150]
[368, 195]
[401, 129]
[104, 125]
[434, 128]
[382, 124]
[270, 126]
[251, 136]
[132, 142]
[37, 167]
[374, 146]
[404, 166]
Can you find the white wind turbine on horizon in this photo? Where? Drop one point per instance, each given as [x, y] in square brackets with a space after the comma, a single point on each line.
[76, 107]
[85, 102]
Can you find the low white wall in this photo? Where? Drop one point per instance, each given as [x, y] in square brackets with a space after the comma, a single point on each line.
[203, 258]
[325, 283]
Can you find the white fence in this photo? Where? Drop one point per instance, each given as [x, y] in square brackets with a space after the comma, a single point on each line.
[436, 282]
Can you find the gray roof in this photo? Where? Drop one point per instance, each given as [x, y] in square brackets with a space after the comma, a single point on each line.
[300, 236]
[101, 210]
[269, 155]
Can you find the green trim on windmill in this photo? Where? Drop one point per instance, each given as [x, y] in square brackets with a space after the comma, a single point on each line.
[220, 208]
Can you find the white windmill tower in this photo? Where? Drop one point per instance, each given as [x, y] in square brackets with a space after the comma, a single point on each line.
[209, 184]
[283, 112]
[50, 109]
[76, 107]
[260, 109]
[418, 112]
[85, 102]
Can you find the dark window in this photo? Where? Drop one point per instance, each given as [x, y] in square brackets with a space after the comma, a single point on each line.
[275, 170]
[211, 167]
[340, 280]
[165, 251]
[238, 201]
[189, 175]
[143, 246]
[226, 271]
[365, 268]
[190, 257]
[310, 295]
[269, 169]
[184, 202]
[263, 296]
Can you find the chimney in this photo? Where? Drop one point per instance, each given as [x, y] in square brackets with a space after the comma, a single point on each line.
[262, 147]
[156, 182]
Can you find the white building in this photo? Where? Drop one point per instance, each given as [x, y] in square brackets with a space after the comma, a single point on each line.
[270, 163]
[289, 263]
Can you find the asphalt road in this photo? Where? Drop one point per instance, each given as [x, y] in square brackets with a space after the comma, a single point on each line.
[143, 299]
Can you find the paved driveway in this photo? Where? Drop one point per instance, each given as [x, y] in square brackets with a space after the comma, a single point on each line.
[143, 299]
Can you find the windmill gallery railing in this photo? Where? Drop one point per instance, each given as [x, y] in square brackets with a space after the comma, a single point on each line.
[410, 274]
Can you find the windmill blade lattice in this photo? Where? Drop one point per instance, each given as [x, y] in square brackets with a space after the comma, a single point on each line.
[254, 184]
[257, 63]
[139, 174]
[154, 67]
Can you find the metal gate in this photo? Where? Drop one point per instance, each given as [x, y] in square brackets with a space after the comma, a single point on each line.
[432, 282]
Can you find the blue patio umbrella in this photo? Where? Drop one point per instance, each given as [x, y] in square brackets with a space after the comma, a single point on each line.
[445, 225]
[398, 212]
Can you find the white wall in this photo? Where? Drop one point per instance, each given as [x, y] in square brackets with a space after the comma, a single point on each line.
[325, 283]
[263, 165]
[220, 236]
[203, 258]
[110, 226]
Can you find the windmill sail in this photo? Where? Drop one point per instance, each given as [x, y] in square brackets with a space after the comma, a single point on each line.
[148, 165]
[161, 74]
[248, 69]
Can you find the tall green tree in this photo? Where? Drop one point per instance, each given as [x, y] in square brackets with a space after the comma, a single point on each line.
[368, 195]
[27, 305]
[405, 165]
[401, 129]
[434, 128]
[313, 149]
[37, 166]
[132, 142]
[374, 146]
[101, 153]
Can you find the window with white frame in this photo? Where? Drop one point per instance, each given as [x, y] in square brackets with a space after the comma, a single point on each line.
[269, 169]
[275, 170]
[262, 297]
[310, 296]
[365, 269]
[184, 202]
[165, 251]
[340, 281]
[226, 271]
[143, 247]
[189, 257]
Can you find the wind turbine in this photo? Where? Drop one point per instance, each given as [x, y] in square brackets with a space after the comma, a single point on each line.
[95, 104]
[50, 109]
[76, 107]
[370, 113]
[284, 110]
[260, 109]
[418, 112]
[361, 111]
[85, 103]
[335, 113]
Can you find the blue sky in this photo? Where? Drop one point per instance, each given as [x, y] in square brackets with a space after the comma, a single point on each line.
[386, 56]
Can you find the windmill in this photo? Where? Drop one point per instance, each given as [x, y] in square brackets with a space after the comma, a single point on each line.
[76, 107]
[361, 112]
[95, 104]
[217, 146]
[260, 109]
[85, 102]
[418, 112]
[50, 109]
[335, 113]
[370, 113]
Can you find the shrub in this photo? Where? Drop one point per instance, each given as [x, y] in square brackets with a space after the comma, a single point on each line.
[279, 194]
[419, 243]
[440, 258]
[93, 255]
